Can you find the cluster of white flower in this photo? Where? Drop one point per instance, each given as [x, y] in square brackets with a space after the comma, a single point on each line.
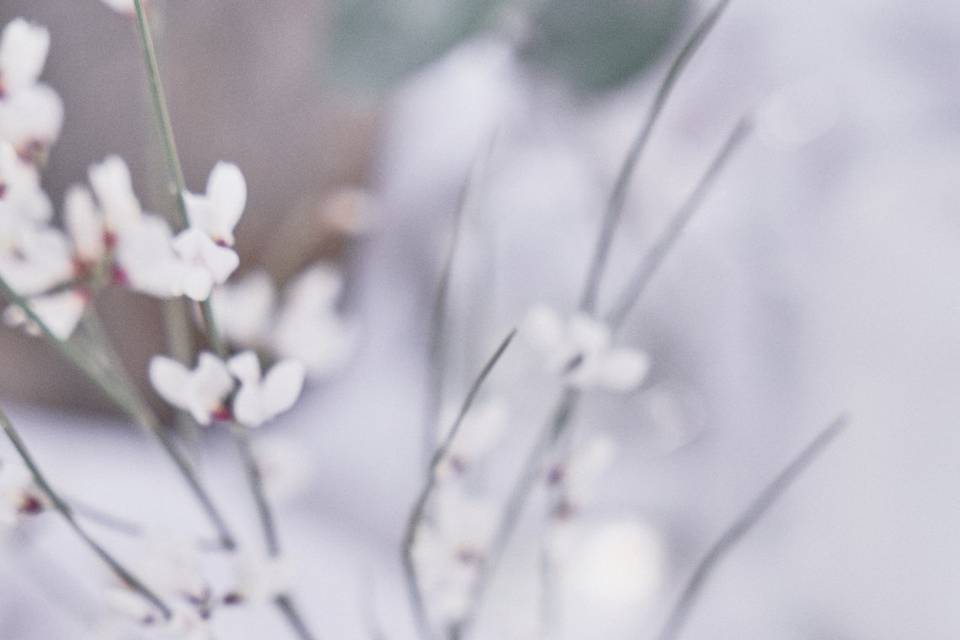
[176, 570]
[205, 390]
[579, 349]
[305, 325]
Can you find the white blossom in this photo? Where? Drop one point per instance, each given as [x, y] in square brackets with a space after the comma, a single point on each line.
[204, 263]
[41, 260]
[263, 397]
[309, 327]
[31, 114]
[146, 261]
[579, 349]
[577, 478]
[217, 212]
[113, 187]
[85, 224]
[23, 53]
[201, 391]
[22, 201]
[244, 309]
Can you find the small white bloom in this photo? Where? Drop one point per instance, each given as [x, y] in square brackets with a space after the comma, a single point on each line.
[308, 326]
[205, 263]
[579, 350]
[85, 224]
[244, 309]
[217, 212]
[41, 260]
[22, 201]
[201, 391]
[146, 261]
[31, 121]
[111, 183]
[262, 398]
[23, 53]
[479, 432]
[61, 313]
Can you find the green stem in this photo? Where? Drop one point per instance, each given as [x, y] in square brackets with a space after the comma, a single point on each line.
[124, 574]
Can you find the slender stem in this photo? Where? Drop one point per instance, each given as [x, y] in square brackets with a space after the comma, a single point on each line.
[420, 505]
[125, 397]
[653, 259]
[618, 195]
[124, 574]
[439, 318]
[291, 614]
[742, 525]
[255, 480]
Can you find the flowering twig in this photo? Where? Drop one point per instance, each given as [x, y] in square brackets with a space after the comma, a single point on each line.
[618, 195]
[64, 510]
[653, 259]
[419, 508]
[128, 400]
[743, 524]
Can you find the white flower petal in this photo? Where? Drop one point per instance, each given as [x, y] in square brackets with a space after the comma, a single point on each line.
[84, 224]
[227, 190]
[171, 380]
[282, 386]
[624, 369]
[245, 367]
[112, 185]
[23, 52]
[31, 120]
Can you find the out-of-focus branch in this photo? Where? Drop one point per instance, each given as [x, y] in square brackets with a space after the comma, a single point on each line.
[742, 525]
[124, 574]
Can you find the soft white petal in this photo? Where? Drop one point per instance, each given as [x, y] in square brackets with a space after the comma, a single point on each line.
[112, 185]
[171, 380]
[245, 367]
[623, 369]
[31, 120]
[282, 386]
[197, 250]
[23, 52]
[227, 191]
[84, 224]
[248, 406]
[542, 328]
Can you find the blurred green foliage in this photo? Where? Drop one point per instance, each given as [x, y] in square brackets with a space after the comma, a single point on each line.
[593, 44]
[600, 44]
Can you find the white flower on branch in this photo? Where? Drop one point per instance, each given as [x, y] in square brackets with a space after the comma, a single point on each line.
[217, 212]
[450, 548]
[576, 479]
[112, 185]
[85, 225]
[41, 260]
[22, 202]
[579, 349]
[308, 326]
[23, 53]
[31, 114]
[204, 263]
[478, 433]
[201, 391]
[263, 397]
